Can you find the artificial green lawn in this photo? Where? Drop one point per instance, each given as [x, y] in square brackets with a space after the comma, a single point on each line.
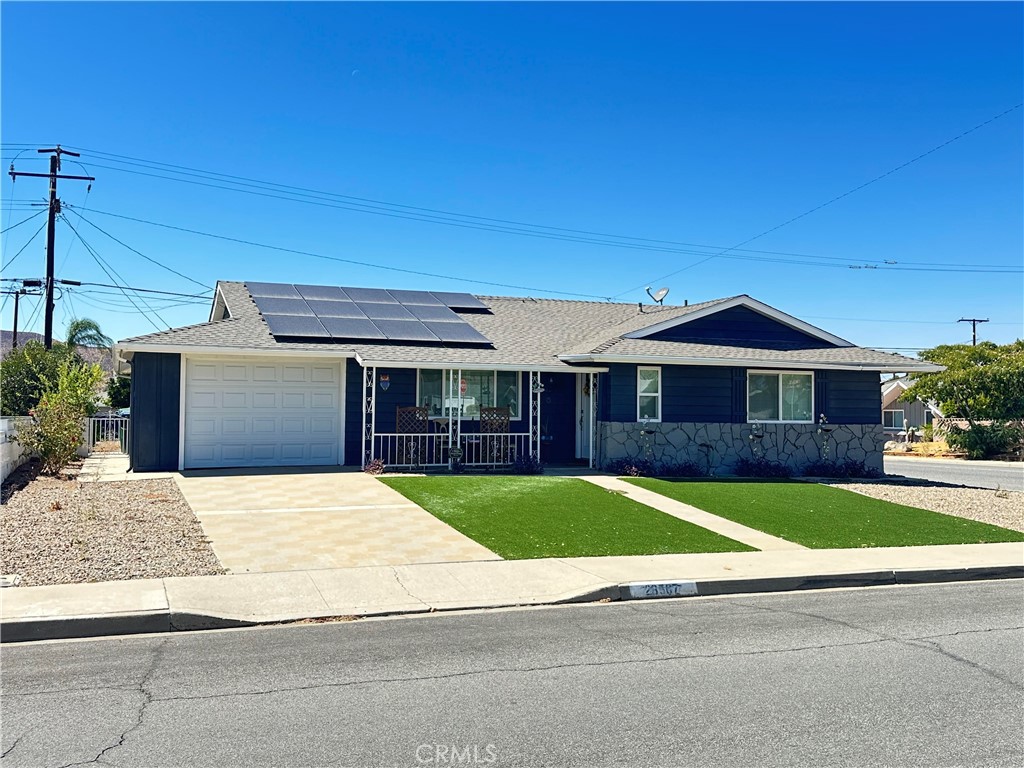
[825, 517]
[522, 517]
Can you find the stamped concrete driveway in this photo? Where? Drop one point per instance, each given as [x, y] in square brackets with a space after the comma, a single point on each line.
[261, 521]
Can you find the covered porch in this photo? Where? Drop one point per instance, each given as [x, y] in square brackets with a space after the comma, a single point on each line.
[434, 418]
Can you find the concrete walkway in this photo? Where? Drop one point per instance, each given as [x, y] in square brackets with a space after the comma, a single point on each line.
[113, 467]
[200, 602]
[727, 528]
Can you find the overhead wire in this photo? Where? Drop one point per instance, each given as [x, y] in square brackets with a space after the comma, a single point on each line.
[835, 199]
[9, 228]
[21, 250]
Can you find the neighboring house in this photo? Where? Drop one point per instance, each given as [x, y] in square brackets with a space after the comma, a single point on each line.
[898, 415]
[307, 375]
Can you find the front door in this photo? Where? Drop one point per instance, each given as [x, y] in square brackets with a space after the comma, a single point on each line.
[584, 422]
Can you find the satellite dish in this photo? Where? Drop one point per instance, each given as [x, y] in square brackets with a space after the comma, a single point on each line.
[659, 295]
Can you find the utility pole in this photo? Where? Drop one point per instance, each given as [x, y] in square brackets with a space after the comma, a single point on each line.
[17, 296]
[54, 209]
[974, 327]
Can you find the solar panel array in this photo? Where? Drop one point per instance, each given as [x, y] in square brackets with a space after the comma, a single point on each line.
[325, 312]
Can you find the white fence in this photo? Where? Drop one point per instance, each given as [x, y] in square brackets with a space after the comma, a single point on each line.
[110, 433]
[475, 449]
[12, 453]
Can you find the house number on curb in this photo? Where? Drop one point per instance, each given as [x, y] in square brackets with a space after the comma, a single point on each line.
[662, 589]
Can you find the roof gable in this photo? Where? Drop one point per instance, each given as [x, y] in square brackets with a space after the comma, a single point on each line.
[741, 321]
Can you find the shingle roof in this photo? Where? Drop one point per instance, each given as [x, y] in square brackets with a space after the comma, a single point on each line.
[523, 331]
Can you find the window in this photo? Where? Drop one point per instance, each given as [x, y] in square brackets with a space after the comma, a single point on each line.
[648, 394]
[892, 419]
[438, 391]
[780, 397]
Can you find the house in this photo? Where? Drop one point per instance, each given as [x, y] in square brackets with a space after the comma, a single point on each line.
[898, 415]
[307, 375]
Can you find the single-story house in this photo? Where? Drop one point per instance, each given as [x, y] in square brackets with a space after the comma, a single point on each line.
[897, 416]
[325, 375]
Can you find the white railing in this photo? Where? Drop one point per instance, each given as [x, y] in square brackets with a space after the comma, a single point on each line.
[477, 449]
[107, 432]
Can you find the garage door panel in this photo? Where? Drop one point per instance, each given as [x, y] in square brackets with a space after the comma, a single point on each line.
[261, 413]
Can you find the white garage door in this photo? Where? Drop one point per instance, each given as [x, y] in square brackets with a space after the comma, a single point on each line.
[261, 413]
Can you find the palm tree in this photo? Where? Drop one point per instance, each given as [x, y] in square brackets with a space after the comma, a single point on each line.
[83, 332]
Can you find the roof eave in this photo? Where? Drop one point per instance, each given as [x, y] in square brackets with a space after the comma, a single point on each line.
[749, 362]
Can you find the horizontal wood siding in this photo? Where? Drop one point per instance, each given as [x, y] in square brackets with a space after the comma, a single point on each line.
[621, 392]
[155, 408]
[851, 397]
[740, 326]
[401, 393]
[696, 393]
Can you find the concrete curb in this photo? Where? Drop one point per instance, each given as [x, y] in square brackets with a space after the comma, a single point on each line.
[144, 622]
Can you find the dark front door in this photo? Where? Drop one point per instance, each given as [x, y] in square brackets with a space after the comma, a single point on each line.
[558, 418]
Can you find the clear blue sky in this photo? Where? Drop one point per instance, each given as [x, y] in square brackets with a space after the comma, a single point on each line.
[697, 123]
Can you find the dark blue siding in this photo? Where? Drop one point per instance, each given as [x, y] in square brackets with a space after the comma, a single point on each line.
[852, 397]
[693, 393]
[401, 393]
[621, 392]
[353, 413]
[155, 404]
[740, 327]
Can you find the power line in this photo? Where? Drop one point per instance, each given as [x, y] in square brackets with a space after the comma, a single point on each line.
[438, 216]
[99, 260]
[350, 261]
[34, 215]
[833, 200]
[26, 245]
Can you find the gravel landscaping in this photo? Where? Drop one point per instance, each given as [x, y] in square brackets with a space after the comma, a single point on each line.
[60, 531]
[1002, 508]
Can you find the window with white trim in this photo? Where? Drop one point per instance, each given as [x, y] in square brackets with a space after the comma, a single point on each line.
[648, 393]
[780, 396]
[893, 419]
[438, 391]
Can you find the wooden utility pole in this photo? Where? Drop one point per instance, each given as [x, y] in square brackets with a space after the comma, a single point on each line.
[974, 327]
[51, 222]
[25, 284]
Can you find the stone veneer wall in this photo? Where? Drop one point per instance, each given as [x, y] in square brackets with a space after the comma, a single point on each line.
[795, 445]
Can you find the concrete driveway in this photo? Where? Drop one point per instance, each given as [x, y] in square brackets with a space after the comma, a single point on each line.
[977, 474]
[262, 521]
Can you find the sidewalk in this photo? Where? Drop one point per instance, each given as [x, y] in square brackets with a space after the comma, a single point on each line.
[206, 602]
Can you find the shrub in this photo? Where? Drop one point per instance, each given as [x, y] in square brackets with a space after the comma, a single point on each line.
[682, 469]
[761, 467]
[980, 441]
[119, 392]
[631, 467]
[527, 464]
[845, 469]
[375, 467]
[55, 431]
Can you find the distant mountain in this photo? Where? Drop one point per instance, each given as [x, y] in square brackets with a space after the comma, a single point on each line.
[90, 354]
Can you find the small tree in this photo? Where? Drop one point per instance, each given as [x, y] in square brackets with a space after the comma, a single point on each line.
[24, 374]
[83, 332]
[55, 431]
[119, 392]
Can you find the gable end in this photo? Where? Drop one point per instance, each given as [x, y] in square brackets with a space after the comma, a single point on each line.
[741, 326]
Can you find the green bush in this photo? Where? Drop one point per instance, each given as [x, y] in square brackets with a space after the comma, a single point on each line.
[119, 392]
[981, 441]
[25, 373]
[55, 431]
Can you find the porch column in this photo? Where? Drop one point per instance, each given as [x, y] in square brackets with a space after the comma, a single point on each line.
[535, 431]
[369, 413]
[593, 419]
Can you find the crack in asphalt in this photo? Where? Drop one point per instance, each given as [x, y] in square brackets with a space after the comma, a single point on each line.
[517, 670]
[920, 643]
[10, 749]
[147, 699]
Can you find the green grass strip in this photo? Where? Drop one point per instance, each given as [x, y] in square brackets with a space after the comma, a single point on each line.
[825, 517]
[523, 517]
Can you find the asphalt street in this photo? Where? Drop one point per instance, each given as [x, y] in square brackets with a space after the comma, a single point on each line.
[925, 675]
[979, 474]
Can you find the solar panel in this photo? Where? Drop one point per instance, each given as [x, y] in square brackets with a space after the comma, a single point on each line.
[329, 292]
[296, 325]
[385, 311]
[272, 306]
[324, 308]
[457, 332]
[273, 290]
[376, 295]
[436, 314]
[405, 330]
[416, 298]
[459, 300]
[352, 328]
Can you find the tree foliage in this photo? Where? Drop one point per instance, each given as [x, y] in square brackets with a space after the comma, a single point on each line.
[25, 373]
[119, 392]
[83, 332]
[980, 382]
[55, 431]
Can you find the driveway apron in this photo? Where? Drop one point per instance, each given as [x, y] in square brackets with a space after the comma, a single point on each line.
[266, 521]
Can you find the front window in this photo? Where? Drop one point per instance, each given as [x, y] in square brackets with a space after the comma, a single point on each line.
[780, 396]
[648, 394]
[892, 419]
[438, 391]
